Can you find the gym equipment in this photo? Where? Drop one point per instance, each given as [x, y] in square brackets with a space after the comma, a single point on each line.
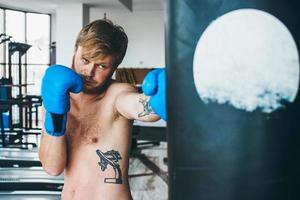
[13, 136]
[147, 135]
[20, 162]
[26, 105]
[30, 195]
[21, 153]
[215, 150]
[21, 49]
[12, 179]
[10, 157]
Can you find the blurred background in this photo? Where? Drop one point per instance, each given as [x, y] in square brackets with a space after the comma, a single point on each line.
[36, 34]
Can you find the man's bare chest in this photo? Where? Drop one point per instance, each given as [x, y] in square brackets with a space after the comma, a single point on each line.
[87, 125]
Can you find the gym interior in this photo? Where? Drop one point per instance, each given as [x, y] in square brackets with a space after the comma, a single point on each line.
[232, 95]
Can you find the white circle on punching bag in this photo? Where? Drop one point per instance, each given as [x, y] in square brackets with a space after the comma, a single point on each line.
[247, 58]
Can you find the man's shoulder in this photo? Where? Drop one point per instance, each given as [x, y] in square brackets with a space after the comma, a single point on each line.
[117, 87]
[115, 91]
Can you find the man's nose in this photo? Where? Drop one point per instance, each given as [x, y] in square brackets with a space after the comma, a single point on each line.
[89, 70]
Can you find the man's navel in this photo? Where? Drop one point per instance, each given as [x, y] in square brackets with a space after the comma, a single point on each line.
[94, 140]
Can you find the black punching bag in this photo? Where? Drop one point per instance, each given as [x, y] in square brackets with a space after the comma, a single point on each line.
[233, 99]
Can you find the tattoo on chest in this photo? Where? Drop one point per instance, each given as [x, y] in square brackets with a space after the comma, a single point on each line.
[147, 109]
[111, 158]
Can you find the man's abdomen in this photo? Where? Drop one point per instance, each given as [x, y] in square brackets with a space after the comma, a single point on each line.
[97, 171]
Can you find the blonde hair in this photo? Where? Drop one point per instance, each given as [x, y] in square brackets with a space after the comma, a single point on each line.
[100, 38]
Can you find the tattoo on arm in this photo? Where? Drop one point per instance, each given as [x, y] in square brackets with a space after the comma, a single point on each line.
[147, 109]
[112, 158]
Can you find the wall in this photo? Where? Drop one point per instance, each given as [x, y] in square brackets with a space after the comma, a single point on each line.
[68, 21]
[144, 27]
[145, 30]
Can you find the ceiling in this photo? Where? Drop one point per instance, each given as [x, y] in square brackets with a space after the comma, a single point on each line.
[49, 6]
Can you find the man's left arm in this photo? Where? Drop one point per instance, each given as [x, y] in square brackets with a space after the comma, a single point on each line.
[151, 104]
[133, 105]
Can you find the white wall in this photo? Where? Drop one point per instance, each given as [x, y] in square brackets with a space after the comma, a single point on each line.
[69, 20]
[145, 30]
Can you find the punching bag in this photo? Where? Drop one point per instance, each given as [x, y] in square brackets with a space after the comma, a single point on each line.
[233, 99]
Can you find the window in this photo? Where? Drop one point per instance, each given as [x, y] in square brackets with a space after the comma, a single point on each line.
[38, 56]
[32, 29]
[37, 33]
[15, 25]
[2, 49]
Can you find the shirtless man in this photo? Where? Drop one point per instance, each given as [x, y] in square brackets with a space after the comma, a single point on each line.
[88, 116]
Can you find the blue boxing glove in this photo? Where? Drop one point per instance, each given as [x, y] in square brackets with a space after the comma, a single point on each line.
[154, 85]
[57, 83]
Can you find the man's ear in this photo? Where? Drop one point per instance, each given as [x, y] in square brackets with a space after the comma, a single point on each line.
[73, 61]
[75, 50]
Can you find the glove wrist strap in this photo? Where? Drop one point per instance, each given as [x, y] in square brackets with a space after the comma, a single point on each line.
[55, 124]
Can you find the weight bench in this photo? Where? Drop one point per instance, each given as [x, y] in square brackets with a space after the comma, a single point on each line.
[36, 179]
[30, 195]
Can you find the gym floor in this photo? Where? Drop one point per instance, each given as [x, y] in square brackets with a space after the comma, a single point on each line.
[146, 183]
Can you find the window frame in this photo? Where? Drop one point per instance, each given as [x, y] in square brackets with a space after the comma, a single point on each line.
[4, 64]
[25, 35]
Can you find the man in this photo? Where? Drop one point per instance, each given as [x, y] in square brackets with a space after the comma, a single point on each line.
[87, 133]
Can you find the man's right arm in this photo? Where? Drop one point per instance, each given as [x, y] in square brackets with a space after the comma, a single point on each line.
[52, 152]
[57, 82]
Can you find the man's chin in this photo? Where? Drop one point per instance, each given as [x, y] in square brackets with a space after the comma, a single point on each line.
[91, 90]
[94, 89]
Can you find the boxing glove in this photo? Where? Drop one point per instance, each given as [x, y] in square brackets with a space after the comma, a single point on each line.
[57, 84]
[154, 85]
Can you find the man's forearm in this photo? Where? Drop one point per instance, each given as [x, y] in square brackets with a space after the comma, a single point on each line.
[53, 154]
[145, 112]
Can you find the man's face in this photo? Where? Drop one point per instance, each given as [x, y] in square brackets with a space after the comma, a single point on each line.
[94, 73]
